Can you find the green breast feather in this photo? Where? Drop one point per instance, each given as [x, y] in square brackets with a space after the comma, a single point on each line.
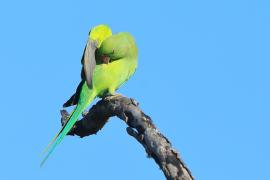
[122, 51]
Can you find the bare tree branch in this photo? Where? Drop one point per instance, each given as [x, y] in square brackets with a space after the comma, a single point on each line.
[140, 126]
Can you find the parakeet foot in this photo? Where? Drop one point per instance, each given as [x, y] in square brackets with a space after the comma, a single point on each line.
[111, 96]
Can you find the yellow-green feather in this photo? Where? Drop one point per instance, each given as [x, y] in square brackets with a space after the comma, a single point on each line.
[106, 77]
[98, 33]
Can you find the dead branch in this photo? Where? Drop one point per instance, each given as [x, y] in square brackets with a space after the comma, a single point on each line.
[140, 126]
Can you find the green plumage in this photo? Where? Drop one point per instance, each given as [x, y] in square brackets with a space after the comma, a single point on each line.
[122, 53]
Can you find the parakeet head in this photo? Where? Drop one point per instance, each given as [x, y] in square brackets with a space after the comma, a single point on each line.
[118, 46]
[100, 33]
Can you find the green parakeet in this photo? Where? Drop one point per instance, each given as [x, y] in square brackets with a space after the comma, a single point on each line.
[108, 62]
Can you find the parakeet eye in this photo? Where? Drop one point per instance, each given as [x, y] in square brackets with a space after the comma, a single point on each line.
[111, 53]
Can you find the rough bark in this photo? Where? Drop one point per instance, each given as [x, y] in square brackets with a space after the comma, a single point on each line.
[140, 126]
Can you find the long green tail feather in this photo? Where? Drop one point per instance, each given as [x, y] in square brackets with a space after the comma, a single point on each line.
[87, 98]
[57, 135]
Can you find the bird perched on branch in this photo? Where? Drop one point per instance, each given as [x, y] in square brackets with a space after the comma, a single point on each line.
[109, 60]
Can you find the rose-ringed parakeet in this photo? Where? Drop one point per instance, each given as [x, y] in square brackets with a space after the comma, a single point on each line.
[109, 60]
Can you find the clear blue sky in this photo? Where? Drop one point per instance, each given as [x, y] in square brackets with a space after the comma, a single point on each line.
[203, 77]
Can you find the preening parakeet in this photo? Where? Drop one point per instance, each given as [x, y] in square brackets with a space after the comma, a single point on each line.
[108, 62]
